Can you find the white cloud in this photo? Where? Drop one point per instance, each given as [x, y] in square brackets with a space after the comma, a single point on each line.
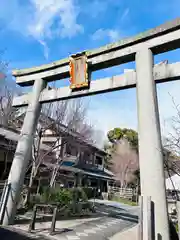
[125, 14]
[45, 47]
[99, 34]
[43, 19]
[64, 12]
[112, 34]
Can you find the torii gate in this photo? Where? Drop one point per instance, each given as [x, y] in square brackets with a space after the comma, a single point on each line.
[140, 48]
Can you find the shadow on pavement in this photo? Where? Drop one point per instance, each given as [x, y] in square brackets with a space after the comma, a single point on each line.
[127, 217]
[116, 212]
[44, 218]
[57, 230]
[60, 231]
[10, 234]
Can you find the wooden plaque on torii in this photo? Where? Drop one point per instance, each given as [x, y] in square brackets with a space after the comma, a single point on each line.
[78, 71]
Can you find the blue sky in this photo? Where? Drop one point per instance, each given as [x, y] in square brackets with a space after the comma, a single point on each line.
[35, 32]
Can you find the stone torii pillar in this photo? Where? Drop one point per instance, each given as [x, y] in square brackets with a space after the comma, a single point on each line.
[23, 153]
[150, 147]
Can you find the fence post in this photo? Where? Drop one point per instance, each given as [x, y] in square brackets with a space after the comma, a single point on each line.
[53, 224]
[4, 201]
[33, 219]
[140, 217]
[178, 216]
[3, 193]
[149, 220]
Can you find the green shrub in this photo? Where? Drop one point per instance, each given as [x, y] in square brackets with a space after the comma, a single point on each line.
[63, 196]
[58, 196]
[68, 200]
[176, 226]
[78, 194]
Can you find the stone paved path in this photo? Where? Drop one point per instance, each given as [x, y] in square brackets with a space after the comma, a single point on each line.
[113, 218]
[100, 230]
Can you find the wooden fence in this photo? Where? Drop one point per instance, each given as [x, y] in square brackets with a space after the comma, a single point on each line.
[128, 193]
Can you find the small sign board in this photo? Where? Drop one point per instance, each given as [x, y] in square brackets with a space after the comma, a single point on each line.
[78, 71]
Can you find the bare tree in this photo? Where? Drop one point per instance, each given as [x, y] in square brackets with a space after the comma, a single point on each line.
[124, 160]
[7, 112]
[7, 90]
[171, 143]
[64, 120]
